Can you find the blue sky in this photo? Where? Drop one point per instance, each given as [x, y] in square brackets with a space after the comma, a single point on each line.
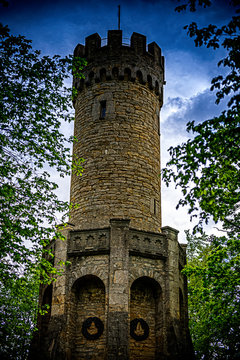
[56, 27]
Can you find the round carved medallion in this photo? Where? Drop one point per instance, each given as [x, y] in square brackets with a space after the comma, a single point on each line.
[92, 328]
[139, 329]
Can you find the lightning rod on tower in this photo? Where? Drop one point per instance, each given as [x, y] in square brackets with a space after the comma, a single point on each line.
[118, 17]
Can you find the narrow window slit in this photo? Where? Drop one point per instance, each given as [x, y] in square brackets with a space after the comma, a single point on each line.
[155, 207]
[103, 109]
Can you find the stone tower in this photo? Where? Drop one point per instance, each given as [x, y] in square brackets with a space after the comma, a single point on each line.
[123, 295]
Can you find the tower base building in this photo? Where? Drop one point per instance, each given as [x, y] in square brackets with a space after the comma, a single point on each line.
[123, 296]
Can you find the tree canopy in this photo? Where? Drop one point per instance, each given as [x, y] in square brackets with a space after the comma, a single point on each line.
[18, 314]
[34, 101]
[213, 272]
[206, 167]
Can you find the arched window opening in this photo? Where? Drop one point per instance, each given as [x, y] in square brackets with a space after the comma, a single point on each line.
[127, 74]
[149, 80]
[156, 87]
[139, 76]
[46, 306]
[115, 72]
[91, 76]
[81, 84]
[103, 74]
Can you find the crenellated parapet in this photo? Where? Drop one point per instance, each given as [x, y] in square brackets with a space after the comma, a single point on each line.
[136, 62]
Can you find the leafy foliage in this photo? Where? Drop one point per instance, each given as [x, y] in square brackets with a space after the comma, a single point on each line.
[18, 311]
[213, 272]
[207, 169]
[34, 101]
[207, 166]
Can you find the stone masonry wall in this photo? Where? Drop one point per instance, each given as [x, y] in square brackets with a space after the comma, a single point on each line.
[133, 275]
[121, 177]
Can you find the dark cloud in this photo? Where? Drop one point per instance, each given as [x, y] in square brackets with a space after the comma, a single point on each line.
[197, 108]
[203, 107]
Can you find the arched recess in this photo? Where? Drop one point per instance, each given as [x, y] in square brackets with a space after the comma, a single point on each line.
[103, 74]
[87, 325]
[46, 306]
[127, 74]
[146, 319]
[91, 77]
[139, 76]
[149, 80]
[82, 83]
[115, 72]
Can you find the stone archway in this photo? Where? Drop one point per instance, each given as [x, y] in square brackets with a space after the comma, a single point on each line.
[87, 325]
[146, 319]
[46, 306]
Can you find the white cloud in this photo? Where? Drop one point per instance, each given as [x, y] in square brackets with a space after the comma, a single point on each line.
[177, 111]
[186, 74]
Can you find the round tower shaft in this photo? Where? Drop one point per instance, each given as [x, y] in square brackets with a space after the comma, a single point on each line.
[117, 127]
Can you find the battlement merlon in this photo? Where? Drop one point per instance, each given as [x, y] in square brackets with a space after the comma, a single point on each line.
[115, 43]
[121, 61]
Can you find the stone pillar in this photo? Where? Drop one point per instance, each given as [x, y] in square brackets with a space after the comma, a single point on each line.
[173, 269]
[172, 293]
[59, 286]
[56, 329]
[118, 306]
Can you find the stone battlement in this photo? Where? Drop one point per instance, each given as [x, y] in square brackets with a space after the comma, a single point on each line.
[141, 243]
[136, 62]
